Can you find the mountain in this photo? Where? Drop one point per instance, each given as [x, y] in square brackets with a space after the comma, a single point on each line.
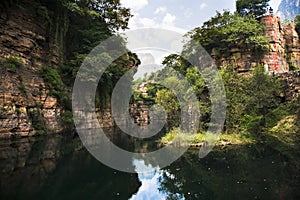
[288, 9]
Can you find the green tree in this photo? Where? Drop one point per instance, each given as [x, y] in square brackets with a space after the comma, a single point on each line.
[297, 23]
[263, 95]
[227, 31]
[236, 96]
[255, 8]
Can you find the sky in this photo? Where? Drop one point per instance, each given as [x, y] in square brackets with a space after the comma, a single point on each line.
[184, 14]
[179, 15]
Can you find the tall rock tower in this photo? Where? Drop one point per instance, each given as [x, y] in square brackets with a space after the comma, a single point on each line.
[292, 45]
[275, 60]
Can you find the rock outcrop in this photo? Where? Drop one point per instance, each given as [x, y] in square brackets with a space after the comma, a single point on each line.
[25, 103]
[275, 60]
[25, 34]
[292, 45]
[292, 84]
[284, 52]
[23, 111]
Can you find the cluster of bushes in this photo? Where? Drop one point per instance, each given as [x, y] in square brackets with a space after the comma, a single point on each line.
[37, 120]
[55, 85]
[12, 63]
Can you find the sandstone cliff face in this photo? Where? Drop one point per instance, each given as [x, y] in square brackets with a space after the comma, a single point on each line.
[292, 84]
[25, 33]
[24, 100]
[292, 45]
[22, 110]
[284, 49]
[275, 60]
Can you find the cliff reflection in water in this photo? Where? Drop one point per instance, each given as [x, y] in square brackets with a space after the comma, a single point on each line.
[58, 167]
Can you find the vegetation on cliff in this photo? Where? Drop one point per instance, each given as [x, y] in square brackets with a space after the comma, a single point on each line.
[226, 31]
[255, 8]
[256, 109]
[71, 30]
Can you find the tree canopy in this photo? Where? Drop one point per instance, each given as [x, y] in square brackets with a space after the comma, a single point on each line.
[255, 8]
[226, 31]
[297, 22]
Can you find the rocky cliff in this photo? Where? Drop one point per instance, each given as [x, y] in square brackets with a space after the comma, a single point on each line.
[291, 82]
[25, 45]
[288, 9]
[275, 60]
[42, 44]
[284, 52]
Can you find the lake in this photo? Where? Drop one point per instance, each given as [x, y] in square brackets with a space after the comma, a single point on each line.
[59, 167]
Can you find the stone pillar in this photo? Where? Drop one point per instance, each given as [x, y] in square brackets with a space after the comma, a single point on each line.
[275, 59]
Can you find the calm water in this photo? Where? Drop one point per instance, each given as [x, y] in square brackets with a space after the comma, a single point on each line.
[57, 167]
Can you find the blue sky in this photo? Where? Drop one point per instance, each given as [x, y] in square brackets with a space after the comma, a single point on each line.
[184, 14]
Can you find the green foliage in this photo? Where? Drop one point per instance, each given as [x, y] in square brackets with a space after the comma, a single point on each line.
[236, 87]
[37, 120]
[263, 96]
[67, 120]
[55, 85]
[168, 100]
[22, 88]
[116, 16]
[297, 22]
[12, 63]
[263, 92]
[227, 31]
[51, 78]
[293, 67]
[250, 99]
[42, 13]
[255, 8]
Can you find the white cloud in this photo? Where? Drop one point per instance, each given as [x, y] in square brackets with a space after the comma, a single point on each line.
[147, 22]
[134, 4]
[274, 4]
[161, 9]
[137, 21]
[168, 20]
[202, 6]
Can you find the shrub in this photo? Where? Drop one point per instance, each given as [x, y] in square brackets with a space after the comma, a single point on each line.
[42, 12]
[12, 63]
[22, 88]
[67, 120]
[37, 120]
[53, 81]
[293, 67]
[297, 23]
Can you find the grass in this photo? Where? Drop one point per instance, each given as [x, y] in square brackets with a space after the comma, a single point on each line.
[199, 138]
[283, 137]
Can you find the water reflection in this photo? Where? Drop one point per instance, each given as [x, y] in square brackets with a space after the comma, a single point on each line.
[149, 182]
[26, 163]
[57, 167]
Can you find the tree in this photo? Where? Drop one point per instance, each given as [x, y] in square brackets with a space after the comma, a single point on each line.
[255, 8]
[263, 95]
[297, 22]
[227, 31]
[236, 96]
